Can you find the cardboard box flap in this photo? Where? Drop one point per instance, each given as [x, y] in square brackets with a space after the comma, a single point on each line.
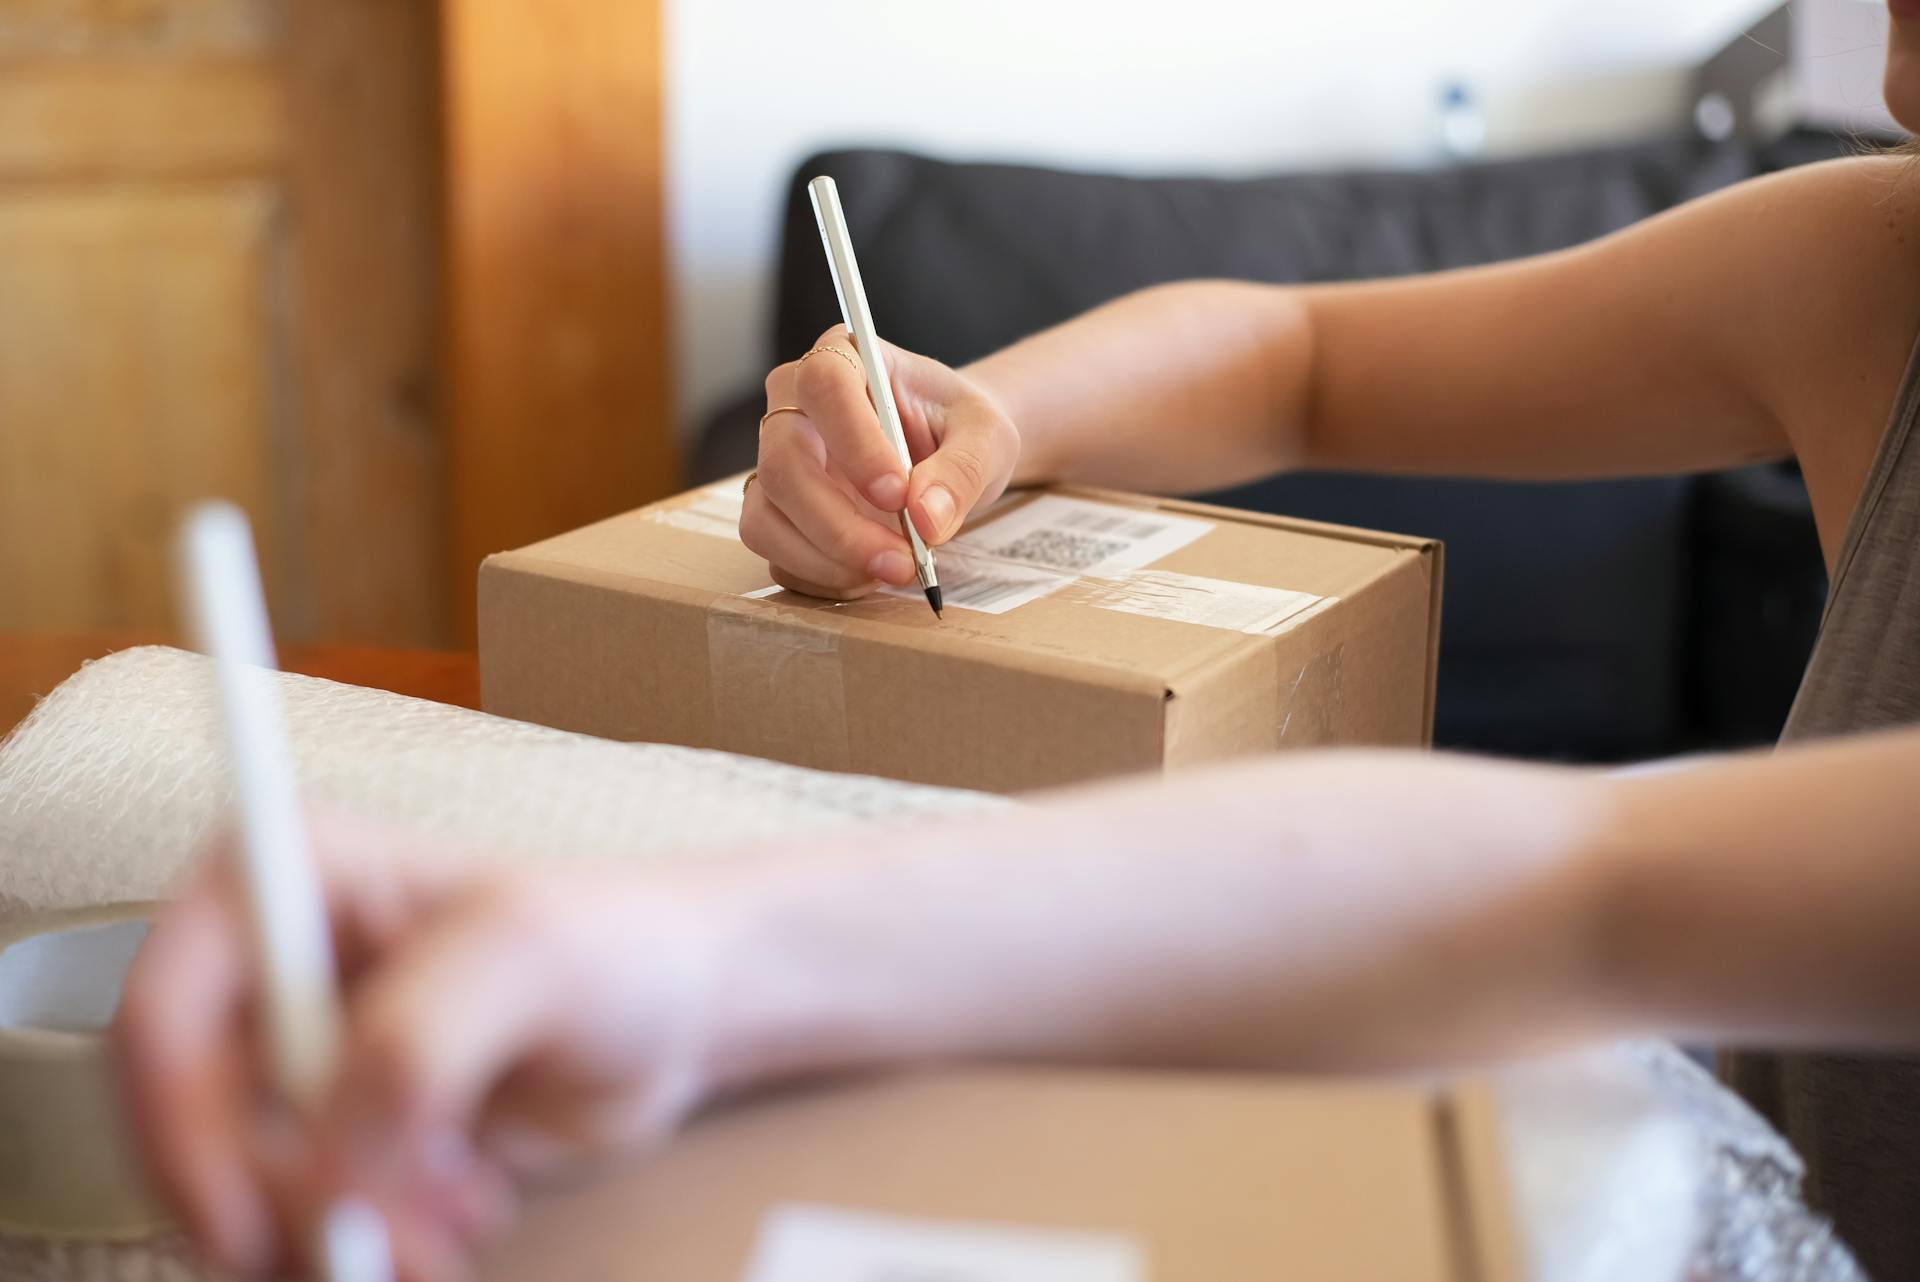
[1146, 615]
[1212, 1176]
[1481, 1205]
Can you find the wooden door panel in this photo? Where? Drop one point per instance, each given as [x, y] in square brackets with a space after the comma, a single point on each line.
[244, 242]
[170, 27]
[98, 119]
[366, 471]
[219, 276]
[135, 367]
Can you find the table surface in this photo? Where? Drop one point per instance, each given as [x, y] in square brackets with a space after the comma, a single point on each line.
[31, 665]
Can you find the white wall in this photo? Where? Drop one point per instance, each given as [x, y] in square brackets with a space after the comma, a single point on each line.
[1172, 85]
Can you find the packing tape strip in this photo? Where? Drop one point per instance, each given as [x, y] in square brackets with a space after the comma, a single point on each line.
[776, 683]
[68, 1169]
[1311, 711]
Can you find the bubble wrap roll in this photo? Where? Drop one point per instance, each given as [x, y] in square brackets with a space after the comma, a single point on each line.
[108, 788]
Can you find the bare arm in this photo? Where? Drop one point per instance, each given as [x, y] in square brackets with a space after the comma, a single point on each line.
[1770, 318]
[1488, 909]
[1351, 911]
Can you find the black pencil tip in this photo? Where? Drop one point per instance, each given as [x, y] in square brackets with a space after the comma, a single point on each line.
[933, 599]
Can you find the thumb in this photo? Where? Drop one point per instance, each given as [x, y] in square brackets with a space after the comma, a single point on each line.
[971, 467]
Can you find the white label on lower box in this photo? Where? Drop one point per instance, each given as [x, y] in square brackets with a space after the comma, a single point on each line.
[1210, 603]
[1039, 548]
[823, 1244]
[972, 581]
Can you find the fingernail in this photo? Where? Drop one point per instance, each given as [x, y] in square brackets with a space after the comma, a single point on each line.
[891, 567]
[936, 506]
[889, 491]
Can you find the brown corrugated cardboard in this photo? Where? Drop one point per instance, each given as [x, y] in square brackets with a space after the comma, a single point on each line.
[1160, 634]
[1213, 1177]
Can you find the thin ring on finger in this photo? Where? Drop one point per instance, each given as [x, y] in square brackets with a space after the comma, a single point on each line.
[846, 356]
[781, 409]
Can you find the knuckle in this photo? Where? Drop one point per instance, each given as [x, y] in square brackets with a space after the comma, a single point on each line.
[965, 464]
[848, 550]
[778, 380]
[1003, 436]
[778, 461]
[817, 380]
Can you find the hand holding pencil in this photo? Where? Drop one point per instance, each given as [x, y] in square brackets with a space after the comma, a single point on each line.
[826, 500]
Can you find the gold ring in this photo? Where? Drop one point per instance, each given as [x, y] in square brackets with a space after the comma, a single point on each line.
[781, 409]
[748, 482]
[846, 356]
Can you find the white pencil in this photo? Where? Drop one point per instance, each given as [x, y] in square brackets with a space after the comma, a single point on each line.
[858, 318]
[226, 614]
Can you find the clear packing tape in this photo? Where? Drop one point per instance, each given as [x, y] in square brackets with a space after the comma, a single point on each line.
[1629, 1162]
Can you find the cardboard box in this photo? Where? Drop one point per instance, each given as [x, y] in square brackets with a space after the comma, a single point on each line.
[1087, 634]
[1194, 1177]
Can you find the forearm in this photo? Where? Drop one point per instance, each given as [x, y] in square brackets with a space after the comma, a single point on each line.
[1351, 912]
[1177, 388]
[1772, 899]
[1356, 911]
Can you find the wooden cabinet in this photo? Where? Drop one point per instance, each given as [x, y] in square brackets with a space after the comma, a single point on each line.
[386, 273]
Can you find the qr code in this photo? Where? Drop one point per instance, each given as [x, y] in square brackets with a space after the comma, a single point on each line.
[1061, 549]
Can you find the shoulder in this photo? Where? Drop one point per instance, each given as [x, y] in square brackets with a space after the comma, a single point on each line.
[1838, 241]
[1822, 307]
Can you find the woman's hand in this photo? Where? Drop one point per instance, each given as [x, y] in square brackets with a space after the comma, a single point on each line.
[497, 1022]
[822, 509]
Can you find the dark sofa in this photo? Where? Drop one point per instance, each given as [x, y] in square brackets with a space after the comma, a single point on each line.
[1583, 621]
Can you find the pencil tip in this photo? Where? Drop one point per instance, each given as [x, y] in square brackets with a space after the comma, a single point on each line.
[933, 599]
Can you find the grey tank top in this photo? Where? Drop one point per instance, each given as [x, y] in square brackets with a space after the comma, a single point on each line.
[1856, 1119]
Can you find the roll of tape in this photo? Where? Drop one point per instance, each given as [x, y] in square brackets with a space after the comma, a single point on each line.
[68, 1169]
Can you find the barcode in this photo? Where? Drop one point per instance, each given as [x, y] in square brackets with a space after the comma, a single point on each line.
[1061, 549]
[1121, 523]
[980, 593]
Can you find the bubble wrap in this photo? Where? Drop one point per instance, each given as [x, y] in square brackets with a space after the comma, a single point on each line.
[1632, 1162]
[108, 788]
[1622, 1158]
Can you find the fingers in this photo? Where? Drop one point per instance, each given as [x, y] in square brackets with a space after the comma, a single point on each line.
[798, 518]
[821, 467]
[188, 1073]
[977, 453]
[186, 1039]
[432, 1032]
[794, 561]
[830, 385]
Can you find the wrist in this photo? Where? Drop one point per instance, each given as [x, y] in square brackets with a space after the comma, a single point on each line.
[787, 994]
[996, 379]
